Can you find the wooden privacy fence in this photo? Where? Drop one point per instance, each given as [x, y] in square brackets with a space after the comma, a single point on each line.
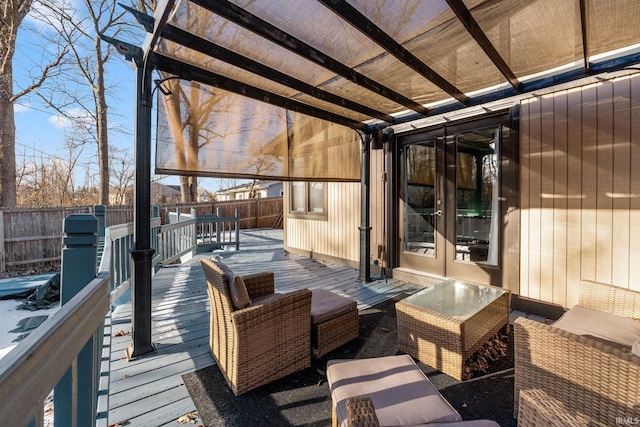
[31, 237]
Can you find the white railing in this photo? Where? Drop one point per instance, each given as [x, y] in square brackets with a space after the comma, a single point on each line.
[177, 240]
[118, 242]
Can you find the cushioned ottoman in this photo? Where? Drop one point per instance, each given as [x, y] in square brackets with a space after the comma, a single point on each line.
[334, 321]
[400, 393]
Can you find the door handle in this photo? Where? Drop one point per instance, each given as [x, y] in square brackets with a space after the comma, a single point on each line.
[438, 213]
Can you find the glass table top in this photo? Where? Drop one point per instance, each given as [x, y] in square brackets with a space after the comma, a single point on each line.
[455, 298]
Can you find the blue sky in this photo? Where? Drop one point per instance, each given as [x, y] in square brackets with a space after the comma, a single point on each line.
[40, 131]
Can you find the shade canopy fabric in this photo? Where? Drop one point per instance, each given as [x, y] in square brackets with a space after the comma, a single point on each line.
[293, 83]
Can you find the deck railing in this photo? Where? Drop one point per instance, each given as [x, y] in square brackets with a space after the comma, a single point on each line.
[70, 351]
[67, 352]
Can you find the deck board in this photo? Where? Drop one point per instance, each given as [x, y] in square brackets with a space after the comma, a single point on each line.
[149, 391]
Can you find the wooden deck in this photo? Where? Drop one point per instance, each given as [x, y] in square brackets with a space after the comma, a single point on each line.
[149, 391]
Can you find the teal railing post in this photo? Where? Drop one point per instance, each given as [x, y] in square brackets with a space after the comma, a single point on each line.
[218, 225]
[99, 211]
[79, 254]
[237, 229]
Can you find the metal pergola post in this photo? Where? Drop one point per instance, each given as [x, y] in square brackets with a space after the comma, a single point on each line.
[365, 228]
[142, 253]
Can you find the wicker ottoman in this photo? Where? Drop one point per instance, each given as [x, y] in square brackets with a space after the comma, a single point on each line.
[538, 409]
[334, 321]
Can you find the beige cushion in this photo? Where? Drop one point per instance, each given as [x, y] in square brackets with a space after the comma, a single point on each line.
[468, 423]
[238, 291]
[326, 305]
[635, 348]
[599, 324]
[400, 392]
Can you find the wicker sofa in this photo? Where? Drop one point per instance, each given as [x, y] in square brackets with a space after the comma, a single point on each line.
[591, 377]
[265, 341]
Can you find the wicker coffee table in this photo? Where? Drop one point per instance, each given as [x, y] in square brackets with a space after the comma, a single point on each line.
[444, 325]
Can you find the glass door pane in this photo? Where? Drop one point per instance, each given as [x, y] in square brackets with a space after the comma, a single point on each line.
[420, 203]
[477, 184]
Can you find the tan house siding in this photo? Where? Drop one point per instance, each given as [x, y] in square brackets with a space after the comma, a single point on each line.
[580, 189]
[378, 206]
[337, 237]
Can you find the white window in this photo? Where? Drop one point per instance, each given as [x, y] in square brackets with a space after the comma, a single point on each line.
[308, 199]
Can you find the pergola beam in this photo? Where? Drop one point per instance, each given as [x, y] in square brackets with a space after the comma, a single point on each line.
[473, 28]
[206, 47]
[272, 33]
[191, 72]
[376, 34]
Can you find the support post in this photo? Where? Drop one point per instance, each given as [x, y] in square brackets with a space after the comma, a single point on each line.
[392, 166]
[142, 253]
[365, 229]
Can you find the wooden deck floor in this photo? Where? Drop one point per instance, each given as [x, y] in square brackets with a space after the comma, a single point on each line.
[149, 391]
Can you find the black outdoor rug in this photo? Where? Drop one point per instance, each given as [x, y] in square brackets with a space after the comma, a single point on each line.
[302, 398]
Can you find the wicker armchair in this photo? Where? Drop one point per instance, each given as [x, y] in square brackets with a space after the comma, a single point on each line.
[263, 342]
[590, 377]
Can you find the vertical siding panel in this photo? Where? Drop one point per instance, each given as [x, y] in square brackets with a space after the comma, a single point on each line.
[560, 200]
[525, 252]
[634, 201]
[574, 194]
[355, 216]
[604, 216]
[621, 173]
[546, 197]
[534, 198]
[353, 230]
[343, 200]
[589, 182]
[333, 225]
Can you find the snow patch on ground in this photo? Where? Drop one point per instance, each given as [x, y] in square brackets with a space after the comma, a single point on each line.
[10, 315]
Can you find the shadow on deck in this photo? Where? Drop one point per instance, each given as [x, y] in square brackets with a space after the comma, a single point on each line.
[150, 391]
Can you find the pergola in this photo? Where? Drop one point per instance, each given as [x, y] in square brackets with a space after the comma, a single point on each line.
[300, 77]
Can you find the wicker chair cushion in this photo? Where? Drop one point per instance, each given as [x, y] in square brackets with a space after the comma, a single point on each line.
[635, 348]
[326, 305]
[238, 291]
[600, 325]
[266, 299]
[400, 392]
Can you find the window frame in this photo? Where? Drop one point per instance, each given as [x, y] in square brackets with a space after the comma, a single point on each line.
[307, 213]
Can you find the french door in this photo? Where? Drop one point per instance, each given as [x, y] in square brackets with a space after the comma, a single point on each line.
[449, 206]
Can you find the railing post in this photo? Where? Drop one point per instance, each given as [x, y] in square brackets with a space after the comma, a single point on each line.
[237, 229]
[194, 233]
[79, 255]
[100, 213]
[219, 215]
[2, 259]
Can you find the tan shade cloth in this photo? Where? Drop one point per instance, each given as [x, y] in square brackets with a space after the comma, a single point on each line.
[206, 131]
[525, 45]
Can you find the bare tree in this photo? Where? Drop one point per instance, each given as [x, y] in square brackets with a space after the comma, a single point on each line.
[188, 109]
[80, 29]
[12, 14]
[48, 180]
[122, 173]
